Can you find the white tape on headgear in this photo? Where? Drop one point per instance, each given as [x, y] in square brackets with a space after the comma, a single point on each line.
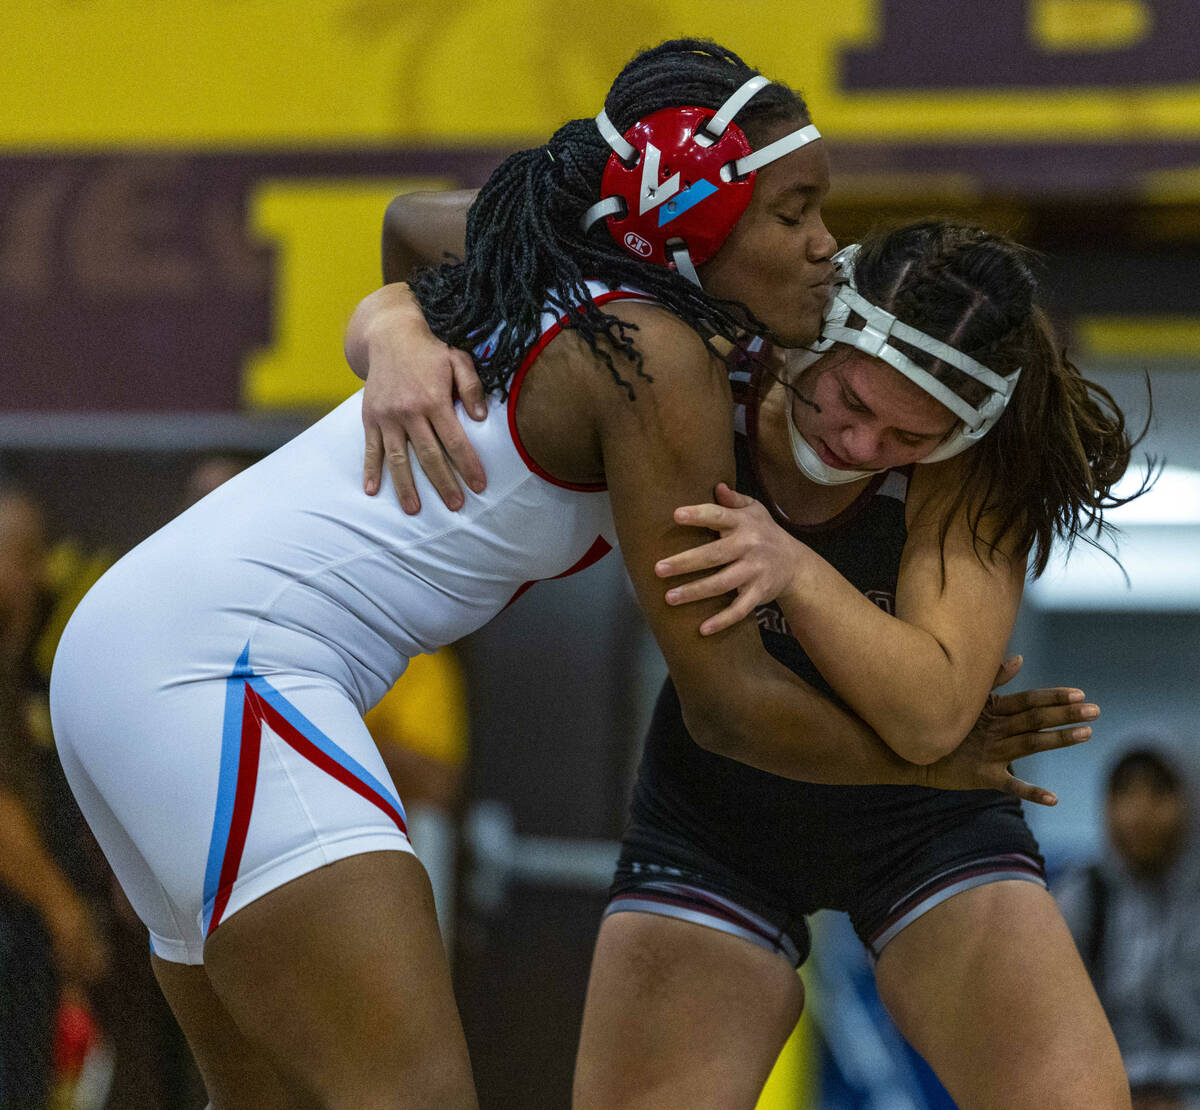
[723, 117]
[626, 151]
[772, 152]
[873, 337]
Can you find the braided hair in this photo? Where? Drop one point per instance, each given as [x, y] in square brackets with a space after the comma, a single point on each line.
[1048, 467]
[525, 251]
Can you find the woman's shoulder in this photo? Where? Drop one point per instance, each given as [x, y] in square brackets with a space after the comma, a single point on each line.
[660, 348]
[943, 516]
[934, 487]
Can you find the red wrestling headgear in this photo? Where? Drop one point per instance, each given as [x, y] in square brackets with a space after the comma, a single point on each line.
[679, 180]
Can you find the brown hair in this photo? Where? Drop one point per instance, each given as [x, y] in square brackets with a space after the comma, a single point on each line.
[1048, 467]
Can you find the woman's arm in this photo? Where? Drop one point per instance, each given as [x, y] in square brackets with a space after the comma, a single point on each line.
[27, 868]
[422, 229]
[412, 378]
[920, 677]
[662, 449]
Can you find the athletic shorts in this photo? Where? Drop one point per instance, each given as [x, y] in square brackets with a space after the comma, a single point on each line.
[723, 844]
[718, 900]
[207, 791]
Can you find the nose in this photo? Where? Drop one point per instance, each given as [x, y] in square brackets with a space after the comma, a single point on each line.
[859, 444]
[822, 245]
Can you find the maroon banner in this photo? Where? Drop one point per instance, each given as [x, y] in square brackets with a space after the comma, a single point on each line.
[990, 48]
[130, 281]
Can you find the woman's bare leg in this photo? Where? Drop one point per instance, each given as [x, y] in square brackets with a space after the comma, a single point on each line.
[237, 1074]
[681, 1017]
[990, 989]
[337, 983]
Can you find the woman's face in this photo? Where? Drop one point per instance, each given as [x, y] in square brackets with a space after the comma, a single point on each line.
[1147, 823]
[865, 415]
[776, 260]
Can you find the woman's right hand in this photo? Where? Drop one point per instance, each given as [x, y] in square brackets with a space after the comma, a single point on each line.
[1012, 726]
[412, 378]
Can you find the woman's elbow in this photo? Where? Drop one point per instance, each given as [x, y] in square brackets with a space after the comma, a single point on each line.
[354, 345]
[921, 752]
[924, 741]
[713, 727]
[400, 216]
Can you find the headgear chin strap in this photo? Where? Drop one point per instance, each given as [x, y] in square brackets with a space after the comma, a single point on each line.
[872, 337]
[811, 465]
[678, 180]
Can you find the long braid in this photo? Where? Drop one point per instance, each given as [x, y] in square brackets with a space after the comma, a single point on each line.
[524, 248]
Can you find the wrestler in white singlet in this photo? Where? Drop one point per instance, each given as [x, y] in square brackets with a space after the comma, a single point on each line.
[208, 692]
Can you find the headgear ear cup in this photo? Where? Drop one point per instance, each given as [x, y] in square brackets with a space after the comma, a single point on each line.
[680, 179]
[665, 189]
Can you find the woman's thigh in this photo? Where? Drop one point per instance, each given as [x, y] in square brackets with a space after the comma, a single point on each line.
[681, 1017]
[238, 1074]
[340, 979]
[989, 987]
[207, 795]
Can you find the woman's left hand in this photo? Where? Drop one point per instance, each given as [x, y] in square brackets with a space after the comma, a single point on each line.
[756, 558]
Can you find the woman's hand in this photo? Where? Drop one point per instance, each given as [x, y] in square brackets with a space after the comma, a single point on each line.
[757, 558]
[1012, 726]
[412, 378]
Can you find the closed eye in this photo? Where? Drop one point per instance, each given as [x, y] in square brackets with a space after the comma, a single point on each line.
[853, 403]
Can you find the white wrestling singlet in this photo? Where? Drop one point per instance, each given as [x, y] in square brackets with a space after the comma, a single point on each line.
[208, 693]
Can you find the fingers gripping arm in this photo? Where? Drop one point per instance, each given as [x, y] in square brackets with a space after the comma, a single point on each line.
[412, 377]
[1010, 727]
[668, 447]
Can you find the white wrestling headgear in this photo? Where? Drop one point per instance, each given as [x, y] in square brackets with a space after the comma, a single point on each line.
[872, 337]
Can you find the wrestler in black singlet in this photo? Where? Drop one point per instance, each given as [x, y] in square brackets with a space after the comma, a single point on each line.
[717, 841]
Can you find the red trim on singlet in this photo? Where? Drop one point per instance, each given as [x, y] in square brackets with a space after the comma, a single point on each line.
[696, 903]
[243, 802]
[514, 387]
[600, 547]
[281, 726]
[859, 504]
[256, 711]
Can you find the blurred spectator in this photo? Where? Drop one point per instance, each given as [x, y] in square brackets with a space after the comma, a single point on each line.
[214, 469]
[51, 948]
[422, 734]
[1133, 915]
[154, 1069]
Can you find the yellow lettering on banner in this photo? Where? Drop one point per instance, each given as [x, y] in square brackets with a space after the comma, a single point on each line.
[1138, 337]
[326, 239]
[1180, 185]
[1076, 25]
[313, 73]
